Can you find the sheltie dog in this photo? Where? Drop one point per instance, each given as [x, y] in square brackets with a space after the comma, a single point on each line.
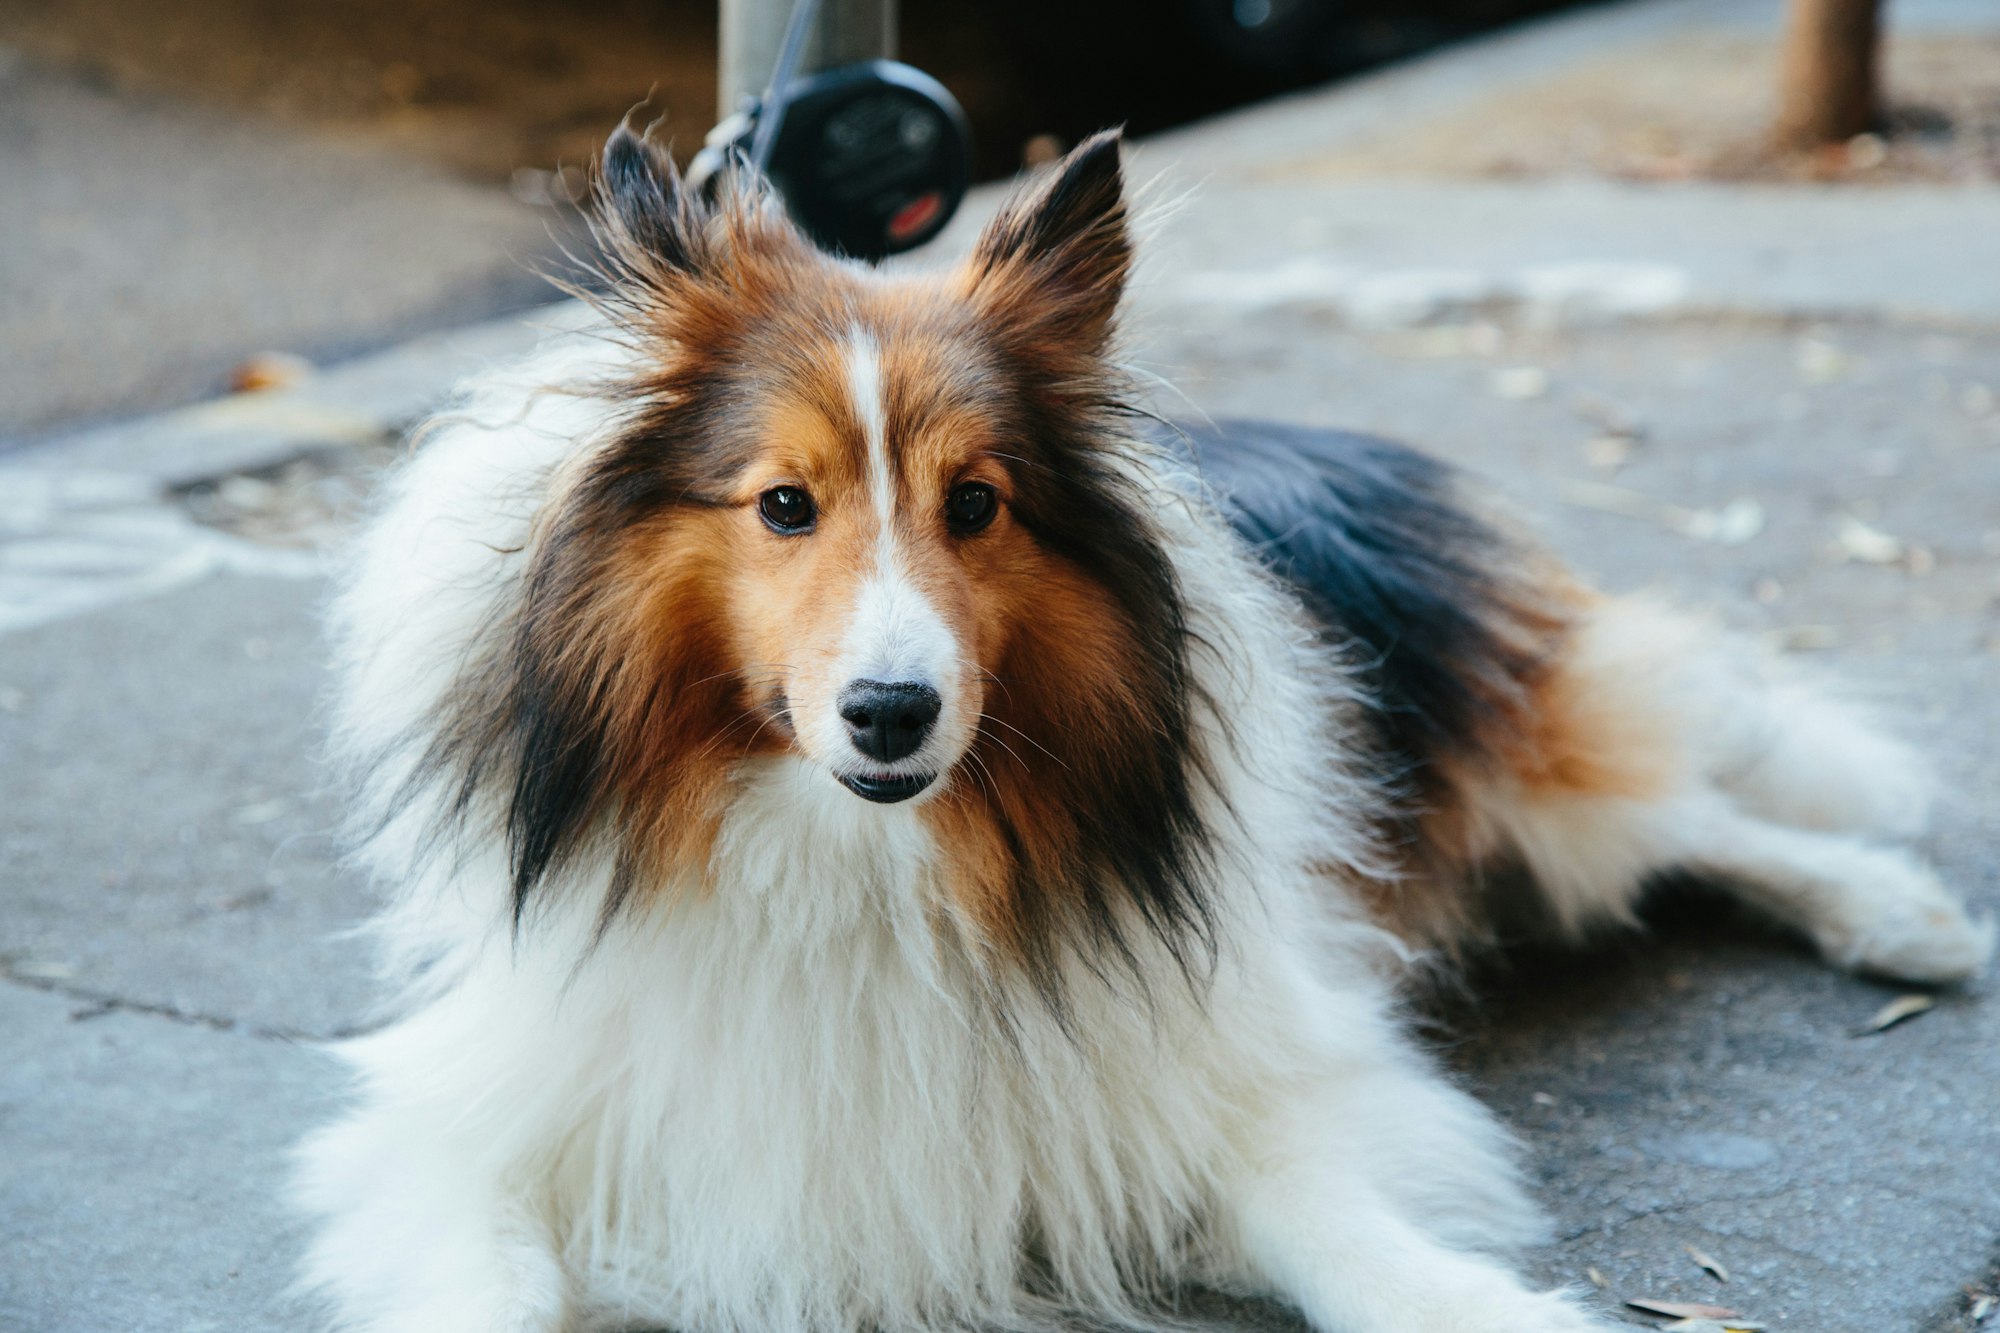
[883, 835]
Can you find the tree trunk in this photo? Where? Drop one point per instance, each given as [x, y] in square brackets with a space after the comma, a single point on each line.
[1829, 92]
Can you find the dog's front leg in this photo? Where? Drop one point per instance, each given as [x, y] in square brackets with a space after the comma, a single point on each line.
[1366, 1235]
[417, 1240]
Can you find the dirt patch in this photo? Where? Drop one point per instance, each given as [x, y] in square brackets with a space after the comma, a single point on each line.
[482, 88]
[1698, 107]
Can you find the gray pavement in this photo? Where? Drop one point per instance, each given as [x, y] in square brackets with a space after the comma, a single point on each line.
[151, 246]
[1609, 356]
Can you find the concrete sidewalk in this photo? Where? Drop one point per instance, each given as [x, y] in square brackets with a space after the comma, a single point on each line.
[150, 245]
[1782, 402]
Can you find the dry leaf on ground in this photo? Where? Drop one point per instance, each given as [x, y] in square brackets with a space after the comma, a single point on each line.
[1519, 383]
[1894, 1012]
[1681, 1309]
[1803, 638]
[1608, 453]
[1733, 524]
[269, 370]
[1871, 546]
[1822, 362]
[1707, 1263]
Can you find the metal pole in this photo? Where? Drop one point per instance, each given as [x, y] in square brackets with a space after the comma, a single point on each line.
[753, 30]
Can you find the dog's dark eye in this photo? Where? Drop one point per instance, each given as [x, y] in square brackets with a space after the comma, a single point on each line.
[787, 509]
[971, 506]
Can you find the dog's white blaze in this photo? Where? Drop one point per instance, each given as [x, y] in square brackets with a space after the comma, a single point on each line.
[895, 633]
[864, 388]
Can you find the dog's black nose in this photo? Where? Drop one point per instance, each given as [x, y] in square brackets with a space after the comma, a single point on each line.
[889, 719]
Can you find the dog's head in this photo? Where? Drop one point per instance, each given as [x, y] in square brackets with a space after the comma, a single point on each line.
[888, 525]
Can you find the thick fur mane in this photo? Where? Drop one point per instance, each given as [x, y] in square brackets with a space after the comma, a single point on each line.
[605, 711]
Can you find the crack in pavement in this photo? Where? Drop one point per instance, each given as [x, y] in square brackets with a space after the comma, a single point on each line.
[96, 1004]
[1608, 1226]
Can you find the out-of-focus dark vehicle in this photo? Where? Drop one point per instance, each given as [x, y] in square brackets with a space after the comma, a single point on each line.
[1073, 66]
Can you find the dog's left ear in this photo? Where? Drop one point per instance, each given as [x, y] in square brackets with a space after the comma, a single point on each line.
[641, 202]
[1057, 256]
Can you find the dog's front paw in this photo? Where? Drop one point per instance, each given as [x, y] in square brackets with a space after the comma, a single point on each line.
[1937, 946]
[1911, 928]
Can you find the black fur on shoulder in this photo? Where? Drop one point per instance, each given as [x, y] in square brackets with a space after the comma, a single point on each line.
[1433, 601]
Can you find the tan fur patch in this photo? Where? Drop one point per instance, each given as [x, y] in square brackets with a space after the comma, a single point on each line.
[1588, 725]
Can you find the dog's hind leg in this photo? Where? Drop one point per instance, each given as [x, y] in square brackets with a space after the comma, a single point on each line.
[1793, 754]
[1868, 907]
[1865, 906]
[1651, 748]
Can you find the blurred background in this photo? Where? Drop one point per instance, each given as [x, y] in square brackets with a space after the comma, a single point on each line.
[1709, 289]
[191, 183]
[188, 184]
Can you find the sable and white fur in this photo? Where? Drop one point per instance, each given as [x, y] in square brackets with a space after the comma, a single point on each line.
[795, 1080]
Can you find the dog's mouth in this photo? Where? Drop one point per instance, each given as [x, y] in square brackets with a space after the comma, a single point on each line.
[887, 790]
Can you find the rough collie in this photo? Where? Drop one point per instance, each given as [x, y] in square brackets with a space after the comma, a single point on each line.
[881, 835]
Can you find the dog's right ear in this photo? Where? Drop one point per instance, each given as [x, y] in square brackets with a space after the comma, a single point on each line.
[641, 203]
[1055, 258]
